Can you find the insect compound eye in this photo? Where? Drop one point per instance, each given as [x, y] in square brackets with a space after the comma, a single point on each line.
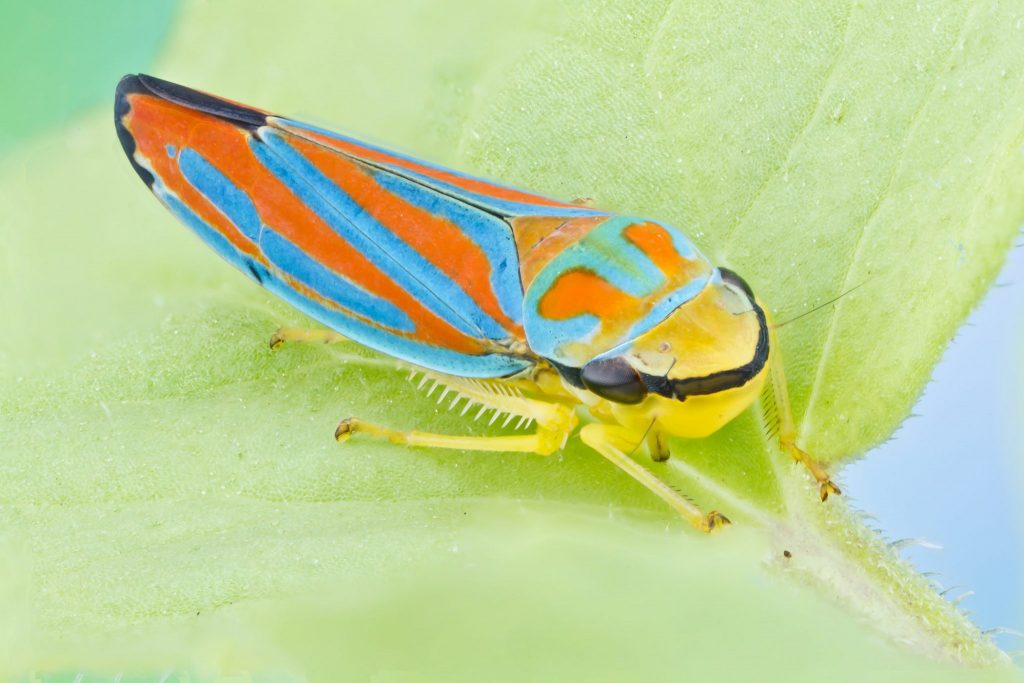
[735, 280]
[614, 379]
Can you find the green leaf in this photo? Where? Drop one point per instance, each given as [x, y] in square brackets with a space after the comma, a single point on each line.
[170, 484]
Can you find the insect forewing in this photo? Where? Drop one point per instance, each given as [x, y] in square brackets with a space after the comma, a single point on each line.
[413, 260]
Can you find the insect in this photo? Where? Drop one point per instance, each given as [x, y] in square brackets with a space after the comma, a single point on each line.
[540, 310]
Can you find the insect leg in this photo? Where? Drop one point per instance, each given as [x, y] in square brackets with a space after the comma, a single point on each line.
[609, 441]
[825, 484]
[299, 334]
[657, 445]
[555, 421]
[541, 442]
[787, 428]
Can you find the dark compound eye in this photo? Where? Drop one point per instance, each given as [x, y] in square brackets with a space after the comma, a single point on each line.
[614, 379]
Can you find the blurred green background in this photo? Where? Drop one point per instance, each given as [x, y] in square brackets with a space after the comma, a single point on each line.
[173, 505]
[60, 57]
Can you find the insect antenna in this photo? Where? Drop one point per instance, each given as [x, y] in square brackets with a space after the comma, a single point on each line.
[643, 437]
[821, 306]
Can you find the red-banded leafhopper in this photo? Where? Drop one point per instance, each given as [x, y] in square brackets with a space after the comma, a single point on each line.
[548, 314]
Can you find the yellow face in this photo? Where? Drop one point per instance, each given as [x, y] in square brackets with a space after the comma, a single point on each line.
[696, 370]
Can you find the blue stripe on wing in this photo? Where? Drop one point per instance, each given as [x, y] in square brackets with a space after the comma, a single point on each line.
[433, 288]
[299, 266]
[282, 254]
[502, 206]
[433, 357]
[221, 192]
[213, 238]
[492, 235]
[286, 258]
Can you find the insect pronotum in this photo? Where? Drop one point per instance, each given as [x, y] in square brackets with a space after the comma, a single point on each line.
[538, 311]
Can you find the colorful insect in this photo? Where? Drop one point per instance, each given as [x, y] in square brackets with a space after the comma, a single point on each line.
[541, 310]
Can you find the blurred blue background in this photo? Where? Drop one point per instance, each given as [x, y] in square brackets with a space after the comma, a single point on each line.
[952, 474]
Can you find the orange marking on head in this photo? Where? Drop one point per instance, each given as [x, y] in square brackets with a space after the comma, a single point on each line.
[656, 243]
[578, 292]
[529, 231]
[540, 239]
[155, 123]
[437, 239]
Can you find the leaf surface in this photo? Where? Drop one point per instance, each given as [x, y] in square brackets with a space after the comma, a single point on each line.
[165, 475]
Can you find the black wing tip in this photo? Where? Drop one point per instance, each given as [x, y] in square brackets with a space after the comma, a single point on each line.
[126, 86]
[237, 114]
[233, 112]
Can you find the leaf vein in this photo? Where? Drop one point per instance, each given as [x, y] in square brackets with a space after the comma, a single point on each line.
[774, 172]
[865, 226]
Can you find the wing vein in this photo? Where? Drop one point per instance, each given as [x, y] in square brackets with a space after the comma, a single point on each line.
[340, 214]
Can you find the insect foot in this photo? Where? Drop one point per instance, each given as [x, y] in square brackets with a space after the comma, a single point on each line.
[825, 484]
[714, 520]
[826, 487]
[277, 339]
[344, 431]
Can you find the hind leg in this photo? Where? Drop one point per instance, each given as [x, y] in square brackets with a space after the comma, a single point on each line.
[555, 421]
[541, 442]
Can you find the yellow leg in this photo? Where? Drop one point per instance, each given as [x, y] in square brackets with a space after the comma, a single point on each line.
[658, 446]
[298, 334]
[787, 429]
[541, 442]
[503, 397]
[825, 484]
[555, 421]
[610, 441]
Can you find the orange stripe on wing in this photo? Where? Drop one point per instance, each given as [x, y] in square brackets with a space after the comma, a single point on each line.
[156, 123]
[474, 185]
[540, 239]
[437, 239]
[656, 242]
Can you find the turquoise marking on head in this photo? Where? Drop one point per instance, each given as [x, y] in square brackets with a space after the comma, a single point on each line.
[607, 253]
